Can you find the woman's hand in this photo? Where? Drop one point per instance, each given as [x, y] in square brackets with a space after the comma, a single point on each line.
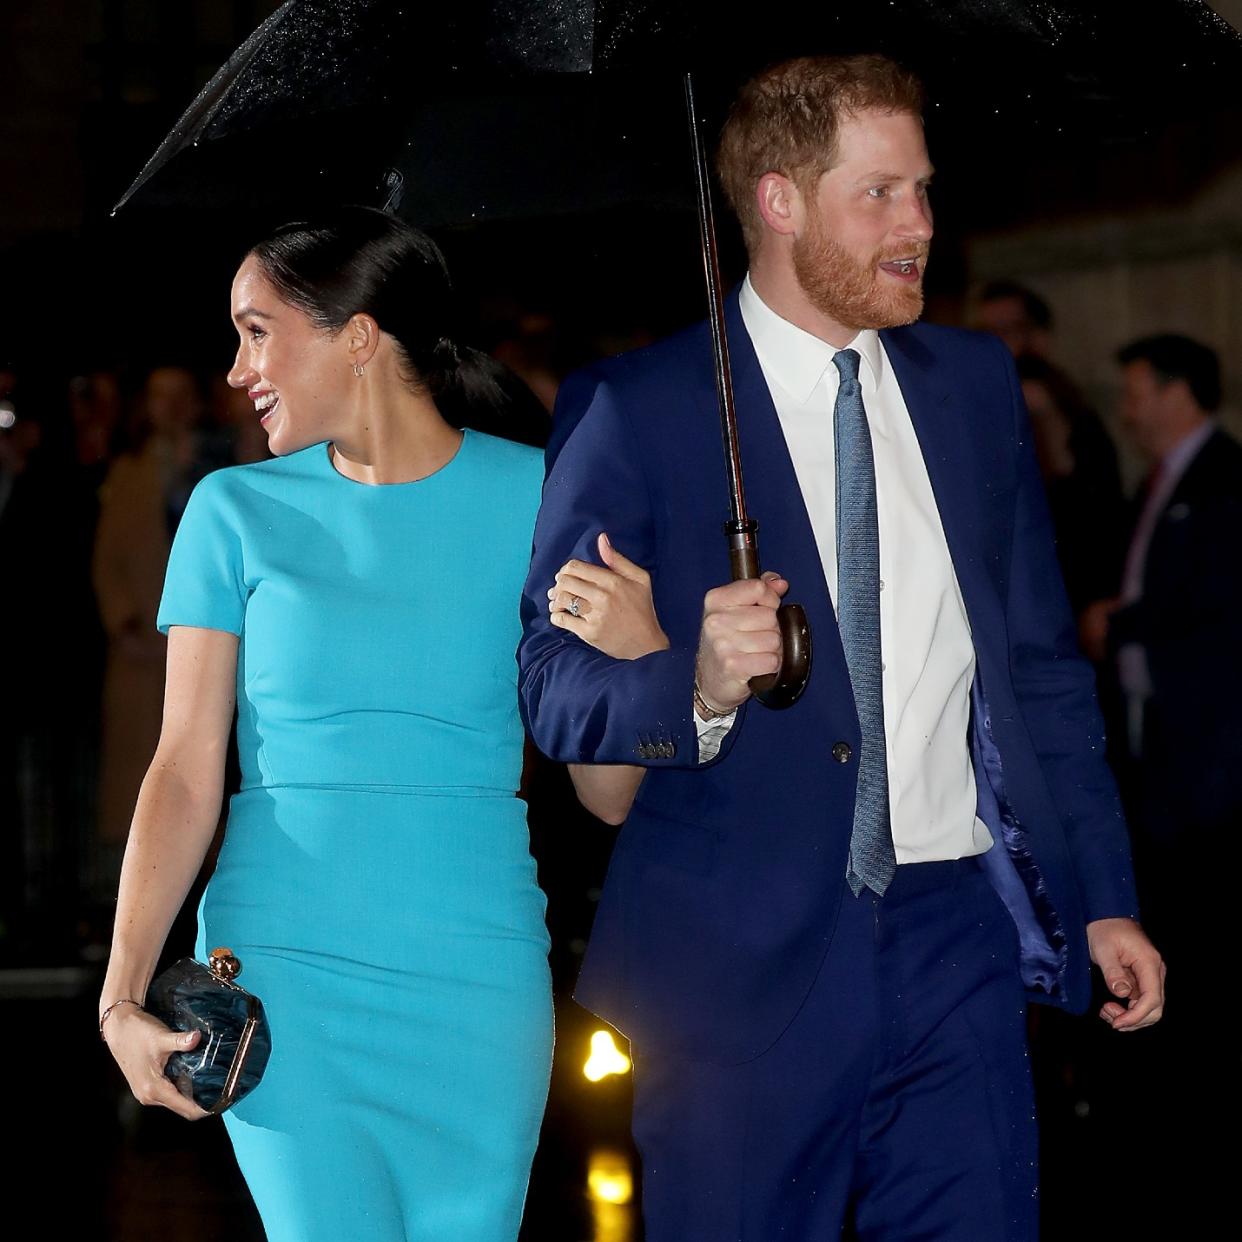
[141, 1045]
[608, 606]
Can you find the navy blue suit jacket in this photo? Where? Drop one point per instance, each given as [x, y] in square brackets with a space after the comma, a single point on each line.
[726, 878]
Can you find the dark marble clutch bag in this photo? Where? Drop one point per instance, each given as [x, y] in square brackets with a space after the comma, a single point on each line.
[232, 1054]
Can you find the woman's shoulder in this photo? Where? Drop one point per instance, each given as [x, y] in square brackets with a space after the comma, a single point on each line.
[494, 453]
[236, 491]
[507, 469]
[272, 474]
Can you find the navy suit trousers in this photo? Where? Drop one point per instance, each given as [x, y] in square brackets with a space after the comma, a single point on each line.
[899, 1098]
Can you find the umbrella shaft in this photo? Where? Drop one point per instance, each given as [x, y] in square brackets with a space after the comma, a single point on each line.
[740, 527]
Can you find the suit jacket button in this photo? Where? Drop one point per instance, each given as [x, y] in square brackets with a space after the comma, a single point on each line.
[841, 752]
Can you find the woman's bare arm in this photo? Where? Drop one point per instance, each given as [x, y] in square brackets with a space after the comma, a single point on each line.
[610, 607]
[174, 822]
[606, 790]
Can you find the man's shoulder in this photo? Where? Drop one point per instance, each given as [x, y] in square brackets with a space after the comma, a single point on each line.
[932, 343]
[1217, 466]
[642, 383]
[681, 356]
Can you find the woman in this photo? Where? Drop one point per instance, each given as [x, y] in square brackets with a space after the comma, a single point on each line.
[359, 597]
[140, 503]
[1079, 467]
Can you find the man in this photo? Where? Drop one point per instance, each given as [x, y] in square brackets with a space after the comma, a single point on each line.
[1175, 639]
[1175, 630]
[1018, 315]
[1174, 627]
[811, 925]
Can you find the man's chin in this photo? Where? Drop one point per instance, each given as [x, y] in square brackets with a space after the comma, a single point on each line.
[902, 309]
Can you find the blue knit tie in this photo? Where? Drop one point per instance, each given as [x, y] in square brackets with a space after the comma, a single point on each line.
[872, 860]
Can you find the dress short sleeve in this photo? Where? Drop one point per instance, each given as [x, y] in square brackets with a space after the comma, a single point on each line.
[205, 584]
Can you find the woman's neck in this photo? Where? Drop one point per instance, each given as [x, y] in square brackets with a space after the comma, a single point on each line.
[394, 438]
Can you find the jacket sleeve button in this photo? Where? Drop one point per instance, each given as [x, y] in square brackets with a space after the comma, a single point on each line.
[841, 752]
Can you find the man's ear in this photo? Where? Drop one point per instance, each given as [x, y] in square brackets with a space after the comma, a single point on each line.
[780, 202]
[362, 339]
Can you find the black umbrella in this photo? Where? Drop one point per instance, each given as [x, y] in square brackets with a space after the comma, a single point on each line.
[328, 95]
[493, 108]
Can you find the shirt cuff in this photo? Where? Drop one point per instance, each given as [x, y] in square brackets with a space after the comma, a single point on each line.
[712, 733]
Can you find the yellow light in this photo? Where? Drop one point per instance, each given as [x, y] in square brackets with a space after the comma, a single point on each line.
[606, 1058]
[609, 1179]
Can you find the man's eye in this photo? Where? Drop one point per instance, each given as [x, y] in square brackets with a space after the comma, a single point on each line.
[256, 332]
[878, 191]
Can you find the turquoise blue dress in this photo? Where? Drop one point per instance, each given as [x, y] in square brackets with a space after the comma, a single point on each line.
[376, 879]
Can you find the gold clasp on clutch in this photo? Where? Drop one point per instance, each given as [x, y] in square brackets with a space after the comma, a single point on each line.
[224, 965]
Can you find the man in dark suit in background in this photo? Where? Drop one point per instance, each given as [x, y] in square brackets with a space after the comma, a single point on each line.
[1176, 627]
[819, 925]
[1175, 635]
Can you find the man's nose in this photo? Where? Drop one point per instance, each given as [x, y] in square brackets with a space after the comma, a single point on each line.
[918, 222]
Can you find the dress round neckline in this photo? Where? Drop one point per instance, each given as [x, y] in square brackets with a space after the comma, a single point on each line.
[325, 452]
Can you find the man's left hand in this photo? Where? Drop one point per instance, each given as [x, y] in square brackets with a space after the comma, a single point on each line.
[1132, 969]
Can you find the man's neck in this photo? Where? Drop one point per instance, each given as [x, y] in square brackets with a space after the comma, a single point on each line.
[1192, 423]
[777, 285]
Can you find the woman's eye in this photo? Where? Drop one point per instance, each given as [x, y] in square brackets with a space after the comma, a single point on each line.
[256, 333]
[878, 191]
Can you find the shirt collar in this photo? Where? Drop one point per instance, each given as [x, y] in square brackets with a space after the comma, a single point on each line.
[796, 359]
[1174, 463]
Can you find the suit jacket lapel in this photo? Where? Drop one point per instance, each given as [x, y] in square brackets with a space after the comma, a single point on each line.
[948, 437]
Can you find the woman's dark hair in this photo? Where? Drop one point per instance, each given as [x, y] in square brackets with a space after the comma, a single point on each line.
[357, 260]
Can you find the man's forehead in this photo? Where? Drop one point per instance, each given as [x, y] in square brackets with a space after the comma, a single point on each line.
[883, 141]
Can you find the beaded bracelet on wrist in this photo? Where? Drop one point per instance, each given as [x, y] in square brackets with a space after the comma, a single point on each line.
[125, 1000]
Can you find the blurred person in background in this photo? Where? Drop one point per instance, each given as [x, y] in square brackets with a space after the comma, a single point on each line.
[19, 558]
[530, 349]
[95, 406]
[1077, 457]
[141, 502]
[239, 433]
[96, 410]
[1174, 636]
[38, 859]
[1079, 468]
[1018, 315]
[1174, 629]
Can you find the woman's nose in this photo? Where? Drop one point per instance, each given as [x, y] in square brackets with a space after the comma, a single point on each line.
[241, 374]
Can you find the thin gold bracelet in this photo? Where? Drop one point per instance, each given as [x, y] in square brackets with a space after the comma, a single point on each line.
[125, 1000]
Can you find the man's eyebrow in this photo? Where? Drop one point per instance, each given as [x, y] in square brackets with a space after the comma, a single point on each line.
[249, 312]
[881, 175]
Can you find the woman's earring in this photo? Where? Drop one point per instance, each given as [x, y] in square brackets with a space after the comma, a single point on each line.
[358, 369]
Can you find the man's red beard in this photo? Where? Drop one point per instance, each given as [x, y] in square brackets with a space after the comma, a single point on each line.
[855, 295]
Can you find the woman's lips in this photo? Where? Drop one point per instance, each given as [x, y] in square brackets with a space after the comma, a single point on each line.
[268, 408]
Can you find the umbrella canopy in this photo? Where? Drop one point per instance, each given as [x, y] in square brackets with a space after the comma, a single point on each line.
[489, 109]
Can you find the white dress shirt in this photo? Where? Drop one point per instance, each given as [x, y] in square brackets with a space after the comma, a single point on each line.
[929, 658]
